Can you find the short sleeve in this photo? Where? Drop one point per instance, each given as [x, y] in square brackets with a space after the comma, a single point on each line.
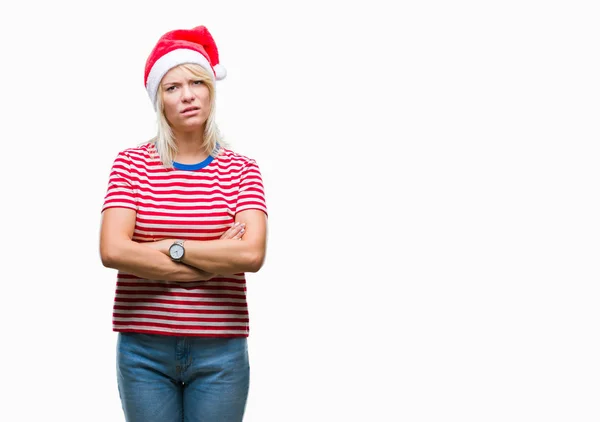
[251, 194]
[120, 192]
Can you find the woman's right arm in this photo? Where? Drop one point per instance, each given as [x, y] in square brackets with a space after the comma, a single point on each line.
[119, 251]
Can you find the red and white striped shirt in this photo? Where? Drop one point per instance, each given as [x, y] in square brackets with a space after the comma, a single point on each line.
[190, 202]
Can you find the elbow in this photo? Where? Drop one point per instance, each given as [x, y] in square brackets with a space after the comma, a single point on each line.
[255, 262]
[108, 258]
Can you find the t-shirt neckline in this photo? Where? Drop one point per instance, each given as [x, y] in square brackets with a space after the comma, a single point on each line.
[191, 167]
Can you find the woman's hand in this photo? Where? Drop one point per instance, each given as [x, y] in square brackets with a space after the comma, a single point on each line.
[235, 232]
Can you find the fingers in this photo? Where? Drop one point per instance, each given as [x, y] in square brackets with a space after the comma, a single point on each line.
[235, 232]
[239, 235]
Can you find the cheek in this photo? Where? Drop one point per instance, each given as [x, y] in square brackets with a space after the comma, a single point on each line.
[170, 107]
[204, 95]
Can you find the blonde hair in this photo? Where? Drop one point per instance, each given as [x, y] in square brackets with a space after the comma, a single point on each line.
[163, 141]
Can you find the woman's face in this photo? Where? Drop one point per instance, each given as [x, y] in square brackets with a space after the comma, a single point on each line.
[186, 100]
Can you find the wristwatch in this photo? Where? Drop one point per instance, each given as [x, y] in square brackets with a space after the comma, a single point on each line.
[176, 250]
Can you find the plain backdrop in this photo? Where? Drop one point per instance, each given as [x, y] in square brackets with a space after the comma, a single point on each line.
[431, 172]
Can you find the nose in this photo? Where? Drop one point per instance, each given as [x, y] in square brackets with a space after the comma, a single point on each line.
[187, 94]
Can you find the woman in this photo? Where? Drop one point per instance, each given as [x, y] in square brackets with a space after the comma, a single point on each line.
[183, 219]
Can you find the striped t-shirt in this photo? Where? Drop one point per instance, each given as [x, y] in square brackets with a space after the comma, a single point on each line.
[190, 202]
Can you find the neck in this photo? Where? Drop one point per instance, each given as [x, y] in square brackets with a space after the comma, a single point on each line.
[190, 147]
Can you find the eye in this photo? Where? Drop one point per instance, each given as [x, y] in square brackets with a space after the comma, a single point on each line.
[198, 82]
[171, 88]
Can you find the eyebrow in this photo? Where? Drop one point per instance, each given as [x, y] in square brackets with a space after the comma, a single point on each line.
[179, 82]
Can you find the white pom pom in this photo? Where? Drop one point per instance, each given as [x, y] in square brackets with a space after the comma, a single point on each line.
[220, 72]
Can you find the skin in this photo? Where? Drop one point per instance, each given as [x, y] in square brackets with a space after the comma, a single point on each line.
[240, 249]
[182, 91]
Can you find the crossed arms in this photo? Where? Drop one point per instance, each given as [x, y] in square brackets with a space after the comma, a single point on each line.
[241, 249]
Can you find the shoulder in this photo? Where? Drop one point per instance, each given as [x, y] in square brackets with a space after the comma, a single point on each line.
[143, 151]
[141, 155]
[230, 157]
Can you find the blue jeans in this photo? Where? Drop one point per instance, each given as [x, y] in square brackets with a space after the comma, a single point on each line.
[175, 379]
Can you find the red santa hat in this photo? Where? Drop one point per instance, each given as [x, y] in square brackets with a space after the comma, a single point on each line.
[178, 47]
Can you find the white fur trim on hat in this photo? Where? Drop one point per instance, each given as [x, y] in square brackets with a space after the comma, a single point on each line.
[169, 61]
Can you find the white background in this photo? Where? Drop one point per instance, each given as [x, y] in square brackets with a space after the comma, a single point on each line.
[431, 174]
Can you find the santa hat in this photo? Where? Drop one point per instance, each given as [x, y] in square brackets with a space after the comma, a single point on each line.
[178, 47]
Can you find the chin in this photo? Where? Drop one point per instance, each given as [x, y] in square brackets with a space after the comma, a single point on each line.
[193, 122]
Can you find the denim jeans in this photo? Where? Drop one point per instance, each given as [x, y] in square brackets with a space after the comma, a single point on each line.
[175, 379]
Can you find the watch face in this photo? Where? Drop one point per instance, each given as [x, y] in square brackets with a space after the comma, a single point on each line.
[176, 251]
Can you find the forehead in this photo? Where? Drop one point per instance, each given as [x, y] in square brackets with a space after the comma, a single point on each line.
[177, 73]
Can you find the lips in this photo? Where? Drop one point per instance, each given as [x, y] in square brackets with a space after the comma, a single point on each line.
[190, 109]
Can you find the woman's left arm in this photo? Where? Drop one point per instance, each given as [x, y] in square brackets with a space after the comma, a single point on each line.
[228, 256]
